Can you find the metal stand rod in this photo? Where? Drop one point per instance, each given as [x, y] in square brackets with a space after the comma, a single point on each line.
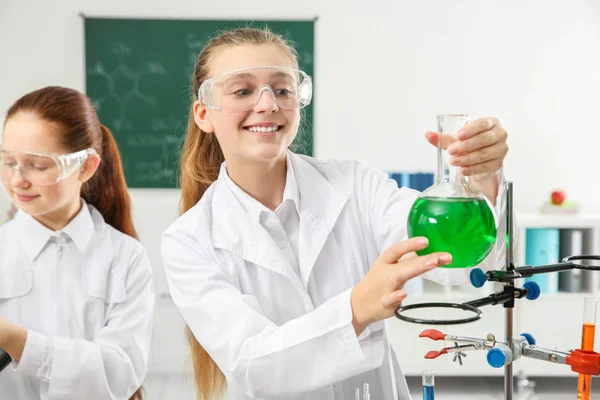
[508, 368]
[509, 305]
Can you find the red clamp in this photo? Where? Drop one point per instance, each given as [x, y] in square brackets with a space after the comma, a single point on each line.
[433, 334]
[435, 354]
[469, 343]
[584, 362]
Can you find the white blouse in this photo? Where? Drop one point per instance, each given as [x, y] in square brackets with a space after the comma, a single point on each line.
[85, 296]
[283, 224]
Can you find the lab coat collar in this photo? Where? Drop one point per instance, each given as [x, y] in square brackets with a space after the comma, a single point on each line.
[234, 229]
[33, 236]
[321, 203]
[291, 184]
[81, 228]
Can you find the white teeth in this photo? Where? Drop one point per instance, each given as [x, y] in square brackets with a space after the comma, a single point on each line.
[263, 128]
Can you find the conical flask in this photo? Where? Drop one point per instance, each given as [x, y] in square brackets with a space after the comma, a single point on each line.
[452, 214]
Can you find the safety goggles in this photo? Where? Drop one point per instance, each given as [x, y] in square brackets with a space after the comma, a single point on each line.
[241, 89]
[41, 169]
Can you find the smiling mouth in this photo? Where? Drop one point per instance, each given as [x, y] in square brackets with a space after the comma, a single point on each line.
[264, 129]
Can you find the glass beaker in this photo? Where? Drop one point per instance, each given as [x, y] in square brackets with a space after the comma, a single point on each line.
[452, 214]
[525, 388]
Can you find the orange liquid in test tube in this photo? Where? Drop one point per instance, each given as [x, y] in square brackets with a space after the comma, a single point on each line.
[584, 383]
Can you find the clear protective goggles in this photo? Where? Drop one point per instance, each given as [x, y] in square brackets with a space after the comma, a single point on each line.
[241, 89]
[41, 169]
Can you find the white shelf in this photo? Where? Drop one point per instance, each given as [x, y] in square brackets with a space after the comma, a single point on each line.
[537, 220]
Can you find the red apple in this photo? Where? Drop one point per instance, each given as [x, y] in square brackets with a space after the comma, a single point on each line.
[558, 197]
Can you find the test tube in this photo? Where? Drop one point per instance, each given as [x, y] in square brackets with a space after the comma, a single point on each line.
[428, 385]
[590, 312]
[366, 393]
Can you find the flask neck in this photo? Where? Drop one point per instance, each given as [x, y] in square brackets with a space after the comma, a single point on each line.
[449, 125]
[446, 172]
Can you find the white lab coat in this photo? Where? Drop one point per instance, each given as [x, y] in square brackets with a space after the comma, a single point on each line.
[276, 335]
[85, 296]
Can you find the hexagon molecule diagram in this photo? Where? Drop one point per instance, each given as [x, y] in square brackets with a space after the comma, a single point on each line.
[122, 90]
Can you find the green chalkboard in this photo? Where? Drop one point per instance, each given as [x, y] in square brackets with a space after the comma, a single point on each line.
[138, 76]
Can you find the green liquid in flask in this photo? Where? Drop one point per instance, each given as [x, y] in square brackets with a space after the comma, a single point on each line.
[463, 227]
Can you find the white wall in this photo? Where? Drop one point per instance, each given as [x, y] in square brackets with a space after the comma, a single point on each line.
[383, 71]
[4, 207]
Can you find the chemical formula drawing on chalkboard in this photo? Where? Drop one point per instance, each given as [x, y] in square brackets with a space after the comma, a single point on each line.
[123, 85]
